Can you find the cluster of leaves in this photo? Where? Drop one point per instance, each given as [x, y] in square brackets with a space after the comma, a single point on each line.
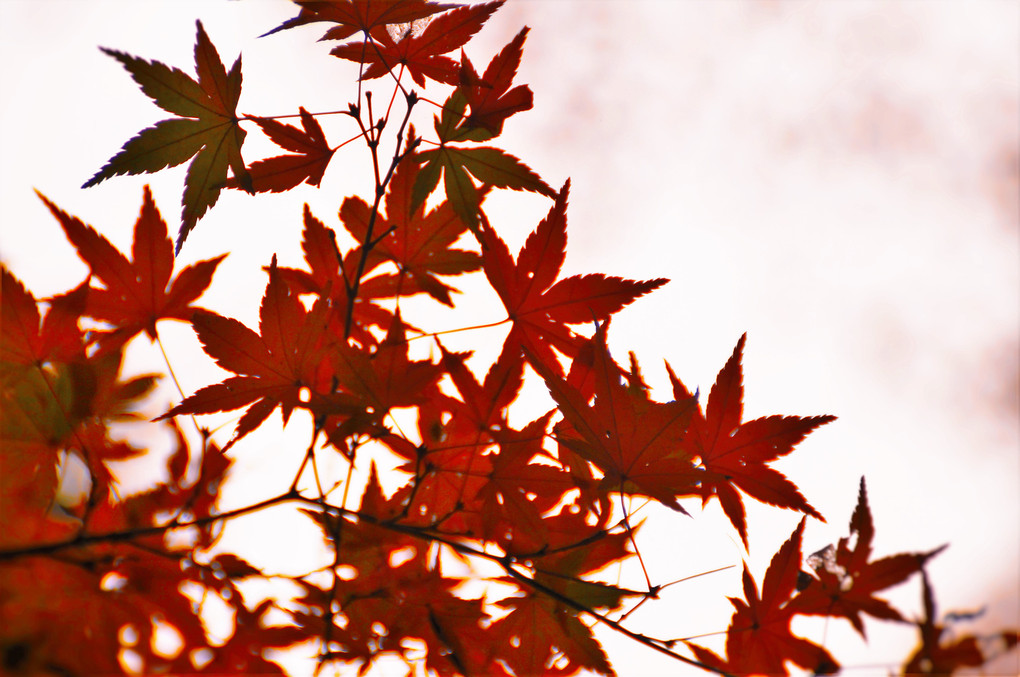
[540, 508]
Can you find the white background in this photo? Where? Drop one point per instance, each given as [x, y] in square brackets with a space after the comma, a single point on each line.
[837, 179]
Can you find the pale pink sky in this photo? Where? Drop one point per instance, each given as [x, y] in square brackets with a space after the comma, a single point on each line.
[837, 179]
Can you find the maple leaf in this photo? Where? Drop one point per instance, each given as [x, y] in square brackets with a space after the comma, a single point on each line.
[28, 340]
[521, 492]
[935, 657]
[54, 399]
[422, 53]
[482, 408]
[353, 16]
[634, 441]
[283, 172]
[490, 98]
[537, 630]
[759, 640]
[37, 412]
[76, 632]
[207, 128]
[138, 292]
[390, 598]
[272, 367]
[847, 582]
[330, 276]
[419, 243]
[457, 165]
[450, 467]
[367, 383]
[539, 308]
[734, 454]
[543, 627]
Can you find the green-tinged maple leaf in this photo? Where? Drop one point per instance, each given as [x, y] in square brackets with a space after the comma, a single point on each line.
[847, 582]
[635, 442]
[420, 53]
[207, 130]
[53, 399]
[272, 367]
[492, 167]
[735, 454]
[283, 172]
[136, 292]
[759, 640]
[38, 412]
[539, 308]
[354, 16]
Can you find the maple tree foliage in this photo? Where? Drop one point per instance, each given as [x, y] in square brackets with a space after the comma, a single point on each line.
[493, 550]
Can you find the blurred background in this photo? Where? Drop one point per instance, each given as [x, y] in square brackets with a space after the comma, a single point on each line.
[837, 179]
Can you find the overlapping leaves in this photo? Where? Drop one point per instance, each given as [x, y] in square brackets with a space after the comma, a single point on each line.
[535, 502]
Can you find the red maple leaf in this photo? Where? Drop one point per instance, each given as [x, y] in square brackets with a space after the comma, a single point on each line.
[538, 631]
[272, 367]
[283, 172]
[540, 625]
[28, 340]
[366, 383]
[353, 16]
[759, 640]
[330, 276]
[634, 441]
[936, 656]
[490, 98]
[422, 53]
[139, 291]
[521, 490]
[734, 454]
[540, 309]
[847, 582]
[419, 243]
[391, 593]
[450, 467]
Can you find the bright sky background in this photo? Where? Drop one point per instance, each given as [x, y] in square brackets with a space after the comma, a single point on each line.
[837, 179]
